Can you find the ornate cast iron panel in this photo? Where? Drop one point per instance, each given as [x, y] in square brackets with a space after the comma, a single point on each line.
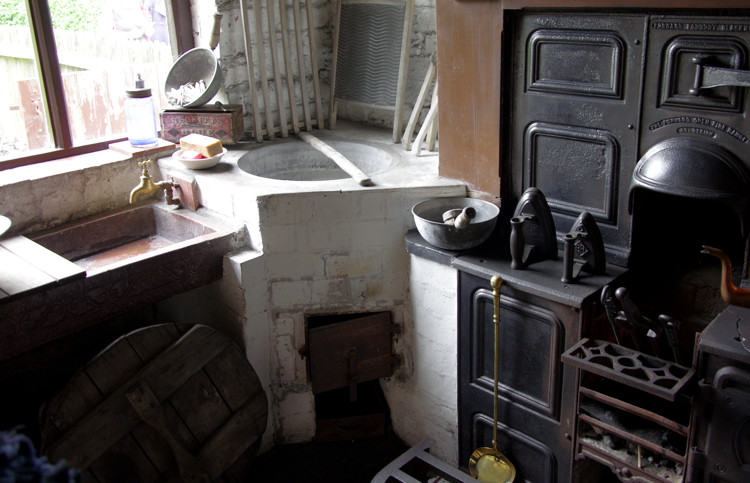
[587, 155]
[539, 318]
[531, 376]
[574, 105]
[585, 63]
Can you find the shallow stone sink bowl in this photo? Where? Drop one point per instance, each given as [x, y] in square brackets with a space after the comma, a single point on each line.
[136, 233]
[428, 218]
[295, 160]
[129, 259]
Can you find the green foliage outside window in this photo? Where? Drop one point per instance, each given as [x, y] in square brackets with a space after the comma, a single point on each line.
[67, 14]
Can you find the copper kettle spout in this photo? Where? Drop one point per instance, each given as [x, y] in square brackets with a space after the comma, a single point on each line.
[730, 293]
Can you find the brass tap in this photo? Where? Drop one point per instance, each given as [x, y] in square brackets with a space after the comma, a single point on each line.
[148, 186]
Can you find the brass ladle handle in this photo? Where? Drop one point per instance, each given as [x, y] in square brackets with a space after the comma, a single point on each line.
[488, 464]
[496, 281]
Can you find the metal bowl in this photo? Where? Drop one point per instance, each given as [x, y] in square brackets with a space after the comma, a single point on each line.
[428, 217]
[195, 65]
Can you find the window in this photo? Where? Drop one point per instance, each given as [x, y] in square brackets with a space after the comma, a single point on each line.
[68, 64]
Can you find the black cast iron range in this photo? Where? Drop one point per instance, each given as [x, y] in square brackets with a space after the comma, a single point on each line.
[639, 123]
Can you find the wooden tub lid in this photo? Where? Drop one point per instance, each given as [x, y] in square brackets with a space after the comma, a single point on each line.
[159, 402]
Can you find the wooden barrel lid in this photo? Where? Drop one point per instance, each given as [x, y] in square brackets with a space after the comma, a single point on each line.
[161, 402]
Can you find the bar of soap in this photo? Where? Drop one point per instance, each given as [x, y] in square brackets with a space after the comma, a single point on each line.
[207, 146]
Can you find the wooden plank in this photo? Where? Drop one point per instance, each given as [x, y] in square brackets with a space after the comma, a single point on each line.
[152, 341]
[152, 444]
[82, 393]
[288, 67]
[342, 161]
[54, 265]
[428, 121]
[403, 70]
[218, 413]
[234, 378]
[469, 40]
[179, 427]
[276, 69]
[250, 71]
[257, 12]
[116, 364]
[124, 461]
[37, 135]
[148, 343]
[145, 403]
[18, 275]
[200, 406]
[418, 105]
[432, 135]
[301, 61]
[114, 417]
[68, 406]
[332, 110]
[234, 438]
[364, 341]
[314, 63]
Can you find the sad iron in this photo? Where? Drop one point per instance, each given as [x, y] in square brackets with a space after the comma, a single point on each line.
[532, 236]
[583, 249]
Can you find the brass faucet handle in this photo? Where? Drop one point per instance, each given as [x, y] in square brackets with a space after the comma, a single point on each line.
[144, 166]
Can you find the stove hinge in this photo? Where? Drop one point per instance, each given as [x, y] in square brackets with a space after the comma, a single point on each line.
[696, 465]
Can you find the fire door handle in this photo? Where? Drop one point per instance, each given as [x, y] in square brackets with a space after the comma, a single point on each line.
[727, 375]
[707, 77]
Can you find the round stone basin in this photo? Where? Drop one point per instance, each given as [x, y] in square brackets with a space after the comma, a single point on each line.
[298, 161]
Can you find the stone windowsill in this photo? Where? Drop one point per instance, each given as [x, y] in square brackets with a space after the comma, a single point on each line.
[44, 195]
[117, 152]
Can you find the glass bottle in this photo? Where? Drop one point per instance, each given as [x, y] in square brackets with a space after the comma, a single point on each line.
[140, 116]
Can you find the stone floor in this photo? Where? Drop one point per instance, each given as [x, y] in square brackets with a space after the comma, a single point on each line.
[350, 461]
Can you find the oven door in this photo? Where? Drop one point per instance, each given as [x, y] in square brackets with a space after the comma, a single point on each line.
[722, 444]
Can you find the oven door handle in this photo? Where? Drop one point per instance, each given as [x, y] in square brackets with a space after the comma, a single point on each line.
[730, 377]
[707, 77]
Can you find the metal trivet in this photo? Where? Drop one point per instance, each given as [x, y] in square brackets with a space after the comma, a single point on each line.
[647, 373]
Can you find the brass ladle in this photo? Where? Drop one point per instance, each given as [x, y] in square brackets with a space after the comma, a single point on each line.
[488, 464]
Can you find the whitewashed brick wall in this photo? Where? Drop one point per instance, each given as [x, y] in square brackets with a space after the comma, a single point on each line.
[424, 404]
[231, 54]
[327, 253]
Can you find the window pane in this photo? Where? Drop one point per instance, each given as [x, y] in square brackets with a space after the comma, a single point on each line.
[24, 126]
[102, 47]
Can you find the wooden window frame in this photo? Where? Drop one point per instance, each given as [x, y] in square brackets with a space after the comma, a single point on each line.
[181, 39]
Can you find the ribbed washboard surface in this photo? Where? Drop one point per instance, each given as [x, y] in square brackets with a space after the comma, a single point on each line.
[369, 53]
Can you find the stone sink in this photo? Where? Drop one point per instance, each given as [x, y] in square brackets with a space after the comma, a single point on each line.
[127, 259]
[129, 235]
